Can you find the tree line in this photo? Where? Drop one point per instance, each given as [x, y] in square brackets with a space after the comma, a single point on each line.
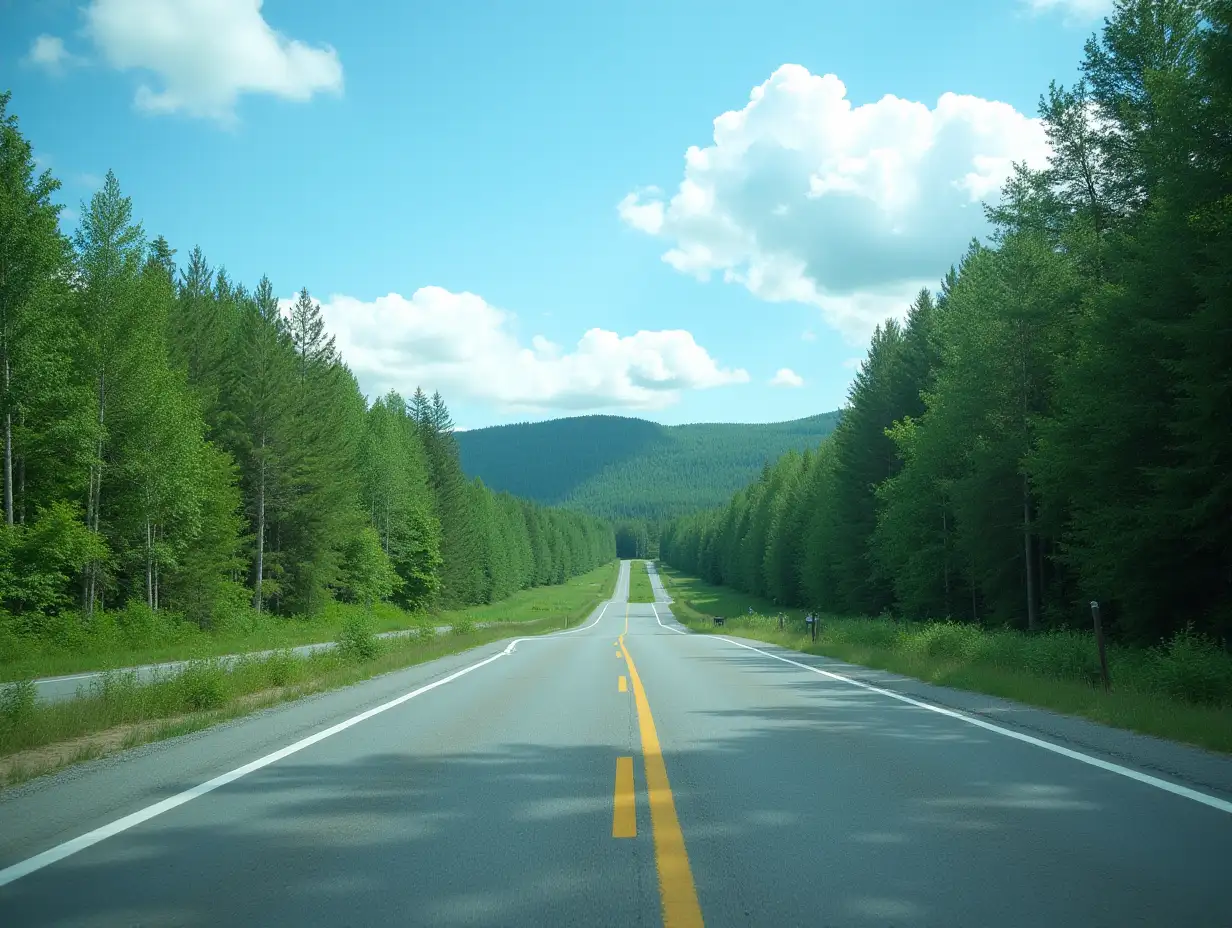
[174, 439]
[1054, 425]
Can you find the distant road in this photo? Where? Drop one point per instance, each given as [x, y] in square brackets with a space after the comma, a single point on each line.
[629, 772]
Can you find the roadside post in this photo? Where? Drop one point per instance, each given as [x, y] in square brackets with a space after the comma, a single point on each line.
[1099, 643]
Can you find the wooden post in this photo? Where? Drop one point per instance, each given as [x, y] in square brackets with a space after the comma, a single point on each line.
[1099, 643]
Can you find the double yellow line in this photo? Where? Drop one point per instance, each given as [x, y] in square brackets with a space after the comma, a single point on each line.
[676, 890]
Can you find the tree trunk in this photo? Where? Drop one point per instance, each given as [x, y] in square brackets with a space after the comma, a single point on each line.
[945, 542]
[156, 574]
[1032, 612]
[96, 489]
[149, 565]
[8, 447]
[256, 595]
[21, 489]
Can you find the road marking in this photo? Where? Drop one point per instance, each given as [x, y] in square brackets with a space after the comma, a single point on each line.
[676, 891]
[68, 848]
[509, 649]
[622, 684]
[670, 628]
[624, 814]
[80, 843]
[1176, 789]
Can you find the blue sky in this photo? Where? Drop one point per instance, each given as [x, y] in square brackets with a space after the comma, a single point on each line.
[493, 199]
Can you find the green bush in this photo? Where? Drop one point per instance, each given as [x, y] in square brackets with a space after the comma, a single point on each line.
[356, 640]
[17, 703]
[279, 668]
[201, 685]
[1192, 668]
[1062, 655]
[463, 625]
[424, 631]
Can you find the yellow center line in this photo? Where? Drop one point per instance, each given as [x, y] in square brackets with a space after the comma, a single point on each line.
[676, 890]
[622, 684]
[624, 817]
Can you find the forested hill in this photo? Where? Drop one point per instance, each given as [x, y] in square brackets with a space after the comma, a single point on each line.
[1050, 428]
[624, 468]
[177, 446]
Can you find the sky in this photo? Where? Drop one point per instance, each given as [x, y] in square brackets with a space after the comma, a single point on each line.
[682, 210]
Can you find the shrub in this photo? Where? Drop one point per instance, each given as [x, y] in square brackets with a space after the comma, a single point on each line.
[17, 703]
[463, 625]
[279, 667]
[356, 640]
[201, 685]
[1191, 667]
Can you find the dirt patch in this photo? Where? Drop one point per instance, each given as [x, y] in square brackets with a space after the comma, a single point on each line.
[23, 765]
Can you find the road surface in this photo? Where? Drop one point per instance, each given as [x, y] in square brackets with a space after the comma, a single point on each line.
[629, 773]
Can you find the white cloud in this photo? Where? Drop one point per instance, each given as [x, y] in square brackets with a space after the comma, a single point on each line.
[206, 53]
[465, 347]
[48, 52]
[1074, 10]
[786, 377]
[805, 197]
[852, 363]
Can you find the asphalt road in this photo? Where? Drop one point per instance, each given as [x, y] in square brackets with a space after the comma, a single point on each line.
[720, 783]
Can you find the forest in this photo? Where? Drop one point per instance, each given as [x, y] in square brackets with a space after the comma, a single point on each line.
[1052, 426]
[637, 473]
[175, 442]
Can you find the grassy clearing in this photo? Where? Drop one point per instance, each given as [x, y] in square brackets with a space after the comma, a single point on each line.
[1181, 690]
[120, 712]
[640, 590]
[133, 636]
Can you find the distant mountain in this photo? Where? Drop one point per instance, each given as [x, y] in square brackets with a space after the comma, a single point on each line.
[624, 468]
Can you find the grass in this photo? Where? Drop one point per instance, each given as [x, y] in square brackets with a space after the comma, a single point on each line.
[640, 590]
[1180, 690]
[119, 711]
[135, 636]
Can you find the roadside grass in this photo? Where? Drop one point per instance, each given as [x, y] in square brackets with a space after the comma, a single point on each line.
[1180, 690]
[133, 636]
[120, 712]
[640, 590]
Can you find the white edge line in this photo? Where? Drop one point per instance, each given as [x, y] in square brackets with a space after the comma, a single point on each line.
[61, 851]
[1214, 802]
[509, 649]
[668, 627]
[80, 843]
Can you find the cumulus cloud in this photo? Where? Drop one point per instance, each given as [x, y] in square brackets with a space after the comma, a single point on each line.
[1073, 9]
[205, 53]
[805, 197]
[48, 52]
[786, 377]
[465, 347]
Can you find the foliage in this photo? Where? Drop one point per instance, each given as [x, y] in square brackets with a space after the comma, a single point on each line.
[630, 470]
[1051, 427]
[1179, 689]
[173, 441]
[356, 640]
